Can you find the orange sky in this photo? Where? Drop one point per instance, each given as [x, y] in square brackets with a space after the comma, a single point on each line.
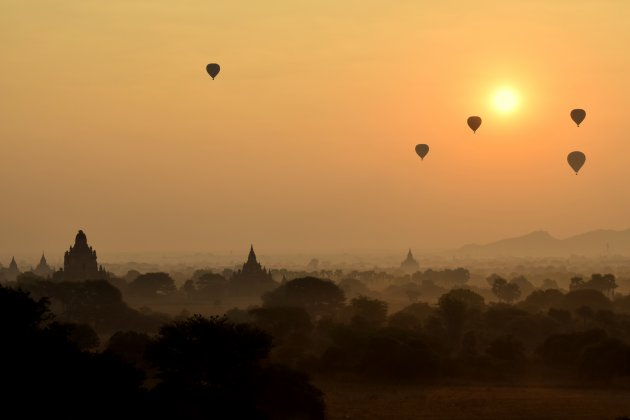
[305, 141]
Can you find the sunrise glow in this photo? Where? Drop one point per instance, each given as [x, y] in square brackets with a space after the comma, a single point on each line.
[505, 100]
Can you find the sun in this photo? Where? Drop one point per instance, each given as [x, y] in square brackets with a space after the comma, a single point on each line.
[505, 100]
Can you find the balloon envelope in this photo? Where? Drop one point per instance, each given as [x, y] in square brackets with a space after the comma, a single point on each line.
[576, 160]
[474, 123]
[213, 69]
[422, 150]
[578, 115]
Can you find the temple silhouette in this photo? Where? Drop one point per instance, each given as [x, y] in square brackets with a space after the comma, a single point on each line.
[409, 265]
[43, 269]
[79, 263]
[11, 273]
[252, 279]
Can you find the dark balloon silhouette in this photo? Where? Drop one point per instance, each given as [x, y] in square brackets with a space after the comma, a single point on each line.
[474, 123]
[578, 115]
[213, 69]
[576, 160]
[422, 150]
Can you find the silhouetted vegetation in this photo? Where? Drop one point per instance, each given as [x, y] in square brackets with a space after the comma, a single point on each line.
[152, 285]
[197, 368]
[96, 303]
[429, 327]
[319, 297]
[45, 372]
[213, 368]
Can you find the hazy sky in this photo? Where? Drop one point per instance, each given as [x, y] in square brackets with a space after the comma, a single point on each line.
[305, 141]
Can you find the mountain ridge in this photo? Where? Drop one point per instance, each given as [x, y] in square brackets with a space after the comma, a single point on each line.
[540, 243]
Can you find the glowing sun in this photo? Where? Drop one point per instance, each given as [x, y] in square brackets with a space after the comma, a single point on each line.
[505, 100]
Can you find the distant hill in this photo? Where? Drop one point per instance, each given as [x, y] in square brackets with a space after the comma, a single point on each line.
[541, 244]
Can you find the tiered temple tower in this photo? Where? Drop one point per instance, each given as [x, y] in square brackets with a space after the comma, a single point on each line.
[410, 265]
[43, 269]
[79, 262]
[13, 271]
[252, 279]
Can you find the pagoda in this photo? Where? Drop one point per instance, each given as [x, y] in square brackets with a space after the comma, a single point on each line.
[252, 279]
[43, 269]
[410, 265]
[79, 262]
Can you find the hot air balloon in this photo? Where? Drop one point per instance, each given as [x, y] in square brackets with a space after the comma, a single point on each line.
[422, 150]
[578, 115]
[213, 69]
[576, 160]
[474, 123]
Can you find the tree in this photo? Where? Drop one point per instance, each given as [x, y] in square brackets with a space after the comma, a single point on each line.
[543, 300]
[446, 278]
[508, 292]
[525, 286]
[211, 368]
[131, 275]
[206, 285]
[42, 366]
[354, 287]
[392, 356]
[411, 316]
[368, 311]
[28, 277]
[566, 349]
[207, 366]
[81, 335]
[511, 292]
[604, 360]
[96, 303]
[586, 313]
[605, 284]
[492, 278]
[20, 314]
[498, 285]
[291, 329]
[576, 283]
[586, 297]
[455, 308]
[453, 312]
[471, 299]
[152, 285]
[507, 318]
[405, 321]
[208, 350]
[238, 316]
[560, 315]
[281, 321]
[129, 346]
[319, 297]
[549, 284]
[288, 394]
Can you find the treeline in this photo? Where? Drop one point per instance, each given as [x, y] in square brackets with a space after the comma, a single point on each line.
[550, 334]
[195, 368]
[305, 326]
[207, 286]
